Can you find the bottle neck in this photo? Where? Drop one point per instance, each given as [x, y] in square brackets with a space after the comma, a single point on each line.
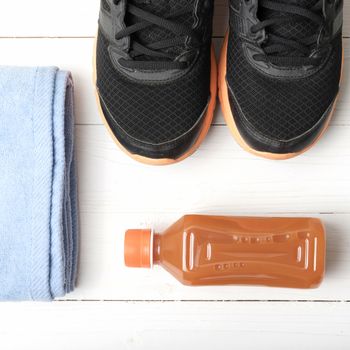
[156, 248]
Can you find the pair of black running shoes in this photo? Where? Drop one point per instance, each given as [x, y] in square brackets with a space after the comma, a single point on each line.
[157, 79]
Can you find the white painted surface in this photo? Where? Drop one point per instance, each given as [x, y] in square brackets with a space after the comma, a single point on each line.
[175, 325]
[117, 193]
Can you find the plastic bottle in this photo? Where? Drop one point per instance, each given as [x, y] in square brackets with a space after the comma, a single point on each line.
[214, 250]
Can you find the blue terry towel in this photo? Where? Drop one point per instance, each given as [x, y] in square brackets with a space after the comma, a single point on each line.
[38, 198]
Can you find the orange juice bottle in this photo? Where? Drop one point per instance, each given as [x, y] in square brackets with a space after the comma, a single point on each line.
[214, 250]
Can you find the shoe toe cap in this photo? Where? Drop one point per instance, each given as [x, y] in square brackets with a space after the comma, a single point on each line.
[261, 141]
[157, 149]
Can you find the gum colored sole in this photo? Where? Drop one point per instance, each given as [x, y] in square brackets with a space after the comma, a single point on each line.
[203, 133]
[228, 115]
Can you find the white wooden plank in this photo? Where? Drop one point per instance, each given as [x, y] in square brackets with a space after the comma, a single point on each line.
[103, 276]
[42, 18]
[79, 18]
[317, 181]
[76, 55]
[206, 326]
[116, 193]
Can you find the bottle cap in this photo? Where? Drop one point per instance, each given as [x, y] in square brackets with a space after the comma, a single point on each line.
[137, 248]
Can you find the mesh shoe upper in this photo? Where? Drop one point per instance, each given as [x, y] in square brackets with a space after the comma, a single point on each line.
[281, 108]
[154, 112]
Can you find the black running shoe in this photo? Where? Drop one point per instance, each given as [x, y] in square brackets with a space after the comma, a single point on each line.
[279, 73]
[156, 76]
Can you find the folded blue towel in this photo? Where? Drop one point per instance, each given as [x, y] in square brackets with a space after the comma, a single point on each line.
[38, 200]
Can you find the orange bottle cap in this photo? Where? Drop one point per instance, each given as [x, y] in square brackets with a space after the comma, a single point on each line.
[137, 248]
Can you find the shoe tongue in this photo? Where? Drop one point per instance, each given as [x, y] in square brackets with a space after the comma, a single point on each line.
[294, 30]
[162, 8]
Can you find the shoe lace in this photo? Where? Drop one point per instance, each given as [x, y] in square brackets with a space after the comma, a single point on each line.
[284, 51]
[157, 55]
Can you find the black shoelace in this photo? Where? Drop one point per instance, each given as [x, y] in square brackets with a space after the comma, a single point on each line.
[155, 56]
[283, 51]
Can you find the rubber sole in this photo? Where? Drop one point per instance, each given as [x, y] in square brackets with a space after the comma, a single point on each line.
[204, 130]
[230, 121]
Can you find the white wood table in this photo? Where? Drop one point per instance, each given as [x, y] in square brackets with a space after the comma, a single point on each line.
[118, 308]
